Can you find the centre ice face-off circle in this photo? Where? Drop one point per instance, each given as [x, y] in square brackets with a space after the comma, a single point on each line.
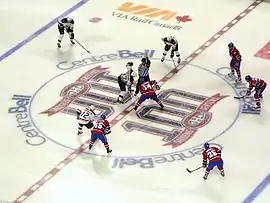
[175, 134]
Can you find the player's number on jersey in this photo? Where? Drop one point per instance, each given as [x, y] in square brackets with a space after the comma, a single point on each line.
[98, 125]
[146, 86]
[212, 154]
[85, 115]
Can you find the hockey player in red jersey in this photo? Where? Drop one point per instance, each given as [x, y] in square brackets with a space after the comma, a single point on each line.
[99, 131]
[259, 86]
[147, 90]
[213, 155]
[235, 62]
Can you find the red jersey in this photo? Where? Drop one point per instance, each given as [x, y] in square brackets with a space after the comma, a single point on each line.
[148, 88]
[256, 83]
[212, 154]
[100, 127]
[235, 54]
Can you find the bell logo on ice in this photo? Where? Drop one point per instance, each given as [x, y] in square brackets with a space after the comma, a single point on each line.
[150, 15]
[20, 108]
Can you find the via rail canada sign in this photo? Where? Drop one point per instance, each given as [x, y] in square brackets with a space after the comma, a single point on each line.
[149, 15]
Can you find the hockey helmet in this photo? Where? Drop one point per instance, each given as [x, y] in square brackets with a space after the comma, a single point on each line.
[230, 45]
[206, 145]
[64, 20]
[144, 60]
[103, 116]
[170, 38]
[129, 63]
[142, 80]
[248, 78]
[92, 108]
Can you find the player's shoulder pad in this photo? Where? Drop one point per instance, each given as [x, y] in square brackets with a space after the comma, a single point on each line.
[216, 148]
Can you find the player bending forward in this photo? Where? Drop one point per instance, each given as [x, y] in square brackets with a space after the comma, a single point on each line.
[171, 43]
[100, 130]
[213, 155]
[259, 86]
[235, 62]
[65, 24]
[147, 90]
[85, 118]
[125, 81]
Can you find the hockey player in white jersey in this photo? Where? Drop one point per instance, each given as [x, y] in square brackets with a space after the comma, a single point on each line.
[65, 24]
[85, 118]
[125, 81]
[171, 43]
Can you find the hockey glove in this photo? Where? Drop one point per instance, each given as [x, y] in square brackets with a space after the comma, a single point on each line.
[71, 35]
[107, 131]
[204, 164]
[129, 88]
[78, 113]
[248, 92]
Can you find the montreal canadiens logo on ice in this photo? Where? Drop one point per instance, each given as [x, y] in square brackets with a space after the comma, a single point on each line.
[189, 111]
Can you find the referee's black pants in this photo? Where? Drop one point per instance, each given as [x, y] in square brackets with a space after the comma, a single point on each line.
[145, 78]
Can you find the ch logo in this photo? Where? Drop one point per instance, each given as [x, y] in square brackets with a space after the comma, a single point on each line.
[184, 112]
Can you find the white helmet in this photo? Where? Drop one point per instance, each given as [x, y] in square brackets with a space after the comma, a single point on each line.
[91, 108]
[170, 38]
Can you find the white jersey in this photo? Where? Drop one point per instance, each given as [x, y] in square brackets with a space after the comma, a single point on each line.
[67, 23]
[128, 77]
[86, 117]
[170, 41]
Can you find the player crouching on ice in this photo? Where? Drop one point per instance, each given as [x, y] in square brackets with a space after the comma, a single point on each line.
[213, 155]
[125, 81]
[99, 131]
[171, 43]
[259, 86]
[147, 90]
[65, 24]
[85, 118]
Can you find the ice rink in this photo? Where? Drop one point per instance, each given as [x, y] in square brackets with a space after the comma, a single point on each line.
[44, 161]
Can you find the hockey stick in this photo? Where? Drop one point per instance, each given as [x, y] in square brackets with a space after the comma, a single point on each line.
[78, 42]
[82, 46]
[191, 171]
[241, 97]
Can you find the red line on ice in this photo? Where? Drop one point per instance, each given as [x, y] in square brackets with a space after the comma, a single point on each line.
[31, 190]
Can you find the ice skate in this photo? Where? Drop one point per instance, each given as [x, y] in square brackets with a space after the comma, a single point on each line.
[238, 80]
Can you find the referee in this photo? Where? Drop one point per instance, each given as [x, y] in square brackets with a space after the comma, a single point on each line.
[143, 72]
